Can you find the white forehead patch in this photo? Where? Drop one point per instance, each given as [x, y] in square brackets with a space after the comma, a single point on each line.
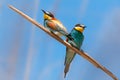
[47, 12]
[82, 25]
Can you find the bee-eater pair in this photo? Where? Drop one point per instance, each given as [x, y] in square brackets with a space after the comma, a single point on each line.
[75, 37]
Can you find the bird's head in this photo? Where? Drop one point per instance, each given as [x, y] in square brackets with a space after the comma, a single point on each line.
[79, 27]
[48, 15]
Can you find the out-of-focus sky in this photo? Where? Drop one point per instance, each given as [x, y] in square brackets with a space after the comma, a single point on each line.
[28, 53]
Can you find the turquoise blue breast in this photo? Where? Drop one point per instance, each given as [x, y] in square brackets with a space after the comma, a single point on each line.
[78, 37]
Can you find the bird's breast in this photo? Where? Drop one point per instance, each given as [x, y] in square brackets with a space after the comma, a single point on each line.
[51, 25]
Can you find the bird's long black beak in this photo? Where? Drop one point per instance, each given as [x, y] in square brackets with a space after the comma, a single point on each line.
[84, 27]
[43, 11]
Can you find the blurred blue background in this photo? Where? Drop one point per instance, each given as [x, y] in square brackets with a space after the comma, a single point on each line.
[28, 53]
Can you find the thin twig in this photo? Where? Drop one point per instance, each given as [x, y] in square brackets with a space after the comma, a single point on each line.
[83, 54]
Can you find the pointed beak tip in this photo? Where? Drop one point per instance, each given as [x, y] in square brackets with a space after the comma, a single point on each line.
[84, 26]
[43, 11]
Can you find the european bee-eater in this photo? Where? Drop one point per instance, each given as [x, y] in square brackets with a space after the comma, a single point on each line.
[78, 37]
[54, 25]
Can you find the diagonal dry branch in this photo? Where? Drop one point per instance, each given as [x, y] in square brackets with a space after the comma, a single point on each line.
[83, 54]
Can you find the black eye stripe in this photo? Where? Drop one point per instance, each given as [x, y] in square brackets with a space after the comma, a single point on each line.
[80, 25]
[50, 14]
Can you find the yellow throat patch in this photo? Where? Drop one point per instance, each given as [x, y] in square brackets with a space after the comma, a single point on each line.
[47, 17]
[80, 29]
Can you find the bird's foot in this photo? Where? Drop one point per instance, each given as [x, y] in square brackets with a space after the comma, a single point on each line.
[52, 32]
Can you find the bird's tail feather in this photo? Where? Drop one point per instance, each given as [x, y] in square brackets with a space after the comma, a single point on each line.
[66, 69]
